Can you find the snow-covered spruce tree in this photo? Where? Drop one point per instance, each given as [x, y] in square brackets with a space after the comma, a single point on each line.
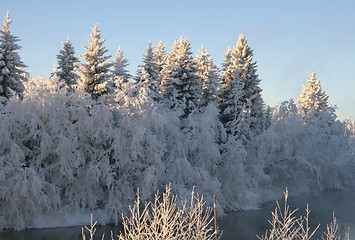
[242, 57]
[149, 64]
[239, 75]
[148, 74]
[180, 84]
[120, 72]
[160, 58]
[67, 63]
[314, 102]
[207, 71]
[230, 97]
[268, 117]
[12, 74]
[94, 73]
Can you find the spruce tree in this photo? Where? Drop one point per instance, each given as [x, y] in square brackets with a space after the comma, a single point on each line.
[120, 73]
[160, 58]
[242, 57]
[207, 71]
[12, 73]
[230, 96]
[67, 63]
[267, 118]
[180, 84]
[313, 101]
[240, 91]
[150, 67]
[148, 74]
[94, 73]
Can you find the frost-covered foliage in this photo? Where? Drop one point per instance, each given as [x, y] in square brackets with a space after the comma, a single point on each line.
[67, 64]
[164, 219]
[12, 73]
[242, 57]
[120, 73]
[286, 225]
[63, 151]
[207, 71]
[350, 127]
[242, 106]
[160, 57]
[305, 155]
[314, 102]
[180, 84]
[149, 73]
[234, 119]
[94, 73]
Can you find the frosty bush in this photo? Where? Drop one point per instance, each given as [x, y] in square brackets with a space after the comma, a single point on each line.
[286, 226]
[164, 218]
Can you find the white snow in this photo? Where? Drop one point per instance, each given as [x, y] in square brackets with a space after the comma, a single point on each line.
[64, 155]
[61, 161]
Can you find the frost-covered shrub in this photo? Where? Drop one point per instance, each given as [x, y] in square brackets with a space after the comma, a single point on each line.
[286, 225]
[304, 155]
[164, 219]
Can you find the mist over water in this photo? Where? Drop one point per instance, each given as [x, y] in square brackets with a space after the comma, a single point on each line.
[236, 225]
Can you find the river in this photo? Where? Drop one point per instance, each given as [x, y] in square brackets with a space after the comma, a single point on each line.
[237, 225]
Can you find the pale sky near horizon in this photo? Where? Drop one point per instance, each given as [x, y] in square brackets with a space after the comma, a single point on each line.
[290, 39]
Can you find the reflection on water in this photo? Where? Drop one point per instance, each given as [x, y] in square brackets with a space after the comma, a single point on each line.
[238, 225]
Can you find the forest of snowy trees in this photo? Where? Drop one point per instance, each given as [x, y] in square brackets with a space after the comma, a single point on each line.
[93, 133]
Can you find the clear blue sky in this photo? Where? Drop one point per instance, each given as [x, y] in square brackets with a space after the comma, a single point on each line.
[290, 39]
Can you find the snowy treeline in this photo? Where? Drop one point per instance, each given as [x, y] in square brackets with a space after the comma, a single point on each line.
[91, 135]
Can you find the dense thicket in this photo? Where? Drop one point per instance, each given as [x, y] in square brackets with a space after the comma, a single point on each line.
[182, 122]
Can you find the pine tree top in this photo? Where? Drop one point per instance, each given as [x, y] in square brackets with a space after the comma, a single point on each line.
[312, 98]
[7, 22]
[95, 46]
[95, 71]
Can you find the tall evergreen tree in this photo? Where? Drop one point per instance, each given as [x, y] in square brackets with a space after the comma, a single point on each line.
[180, 84]
[242, 57]
[148, 74]
[120, 73]
[313, 101]
[240, 91]
[149, 66]
[160, 58]
[67, 63]
[12, 73]
[228, 70]
[207, 71]
[267, 118]
[230, 96]
[94, 73]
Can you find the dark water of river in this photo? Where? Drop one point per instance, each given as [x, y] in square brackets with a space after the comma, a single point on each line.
[247, 224]
[237, 225]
